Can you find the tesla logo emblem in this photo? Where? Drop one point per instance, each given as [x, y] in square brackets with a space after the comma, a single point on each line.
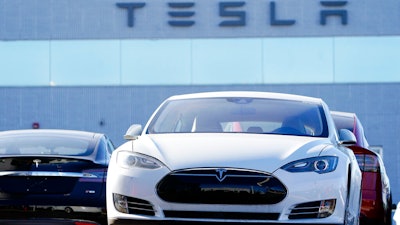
[37, 161]
[221, 174]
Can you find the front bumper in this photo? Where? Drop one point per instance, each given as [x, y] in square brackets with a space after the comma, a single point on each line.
[303, 189]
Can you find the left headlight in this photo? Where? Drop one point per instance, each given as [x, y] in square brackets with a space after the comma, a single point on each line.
[130, 160]
[323, 164]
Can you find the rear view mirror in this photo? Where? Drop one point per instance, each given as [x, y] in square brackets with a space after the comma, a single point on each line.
[347, 137]
[133, 132]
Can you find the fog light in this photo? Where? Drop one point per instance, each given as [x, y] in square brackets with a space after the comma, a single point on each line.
[326, 208]
[120, 203]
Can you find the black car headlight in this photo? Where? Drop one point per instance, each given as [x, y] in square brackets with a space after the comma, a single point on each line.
[130, 160]
[322, 164]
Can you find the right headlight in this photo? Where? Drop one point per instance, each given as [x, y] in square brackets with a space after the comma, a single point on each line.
[322, 164]
[130, 160]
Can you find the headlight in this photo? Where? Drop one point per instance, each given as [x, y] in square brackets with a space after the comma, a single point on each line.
[323, 164]
[130, 160]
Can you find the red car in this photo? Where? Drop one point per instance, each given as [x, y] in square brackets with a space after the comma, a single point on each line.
[376, 206]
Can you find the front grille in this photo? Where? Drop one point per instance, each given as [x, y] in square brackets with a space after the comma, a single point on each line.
[139, 206]
[312, 210]
[220, 215]
[305, 210]
[221, 186]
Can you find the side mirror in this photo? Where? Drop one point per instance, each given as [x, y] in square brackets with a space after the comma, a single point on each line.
[347, 137]
[133, 132]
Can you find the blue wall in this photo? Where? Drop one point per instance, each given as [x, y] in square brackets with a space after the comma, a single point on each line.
[112, 109]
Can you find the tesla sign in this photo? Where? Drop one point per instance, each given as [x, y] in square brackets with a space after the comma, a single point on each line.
[262, 18]
[234, 14]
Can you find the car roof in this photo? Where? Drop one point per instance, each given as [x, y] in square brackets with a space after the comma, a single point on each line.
[248, 94]
[343, 114]
[344, 119]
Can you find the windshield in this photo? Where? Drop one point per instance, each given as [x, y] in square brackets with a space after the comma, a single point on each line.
[44, 146]
[240, 115]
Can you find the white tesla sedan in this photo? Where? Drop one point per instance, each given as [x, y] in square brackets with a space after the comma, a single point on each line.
[235, 157]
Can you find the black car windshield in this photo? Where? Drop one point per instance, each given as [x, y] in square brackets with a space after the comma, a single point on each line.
[240, 115]
[39, 145]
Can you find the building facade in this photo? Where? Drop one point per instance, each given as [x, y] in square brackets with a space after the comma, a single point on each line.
[101, 65]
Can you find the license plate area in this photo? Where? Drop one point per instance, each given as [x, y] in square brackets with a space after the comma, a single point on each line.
[37, 185]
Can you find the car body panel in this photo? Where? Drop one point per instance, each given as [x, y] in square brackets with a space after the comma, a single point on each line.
[223, 166]
[396, 216]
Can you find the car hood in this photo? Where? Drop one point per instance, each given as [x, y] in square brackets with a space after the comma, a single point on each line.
[248, 151]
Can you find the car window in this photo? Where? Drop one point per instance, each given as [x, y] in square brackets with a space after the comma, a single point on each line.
[240, 115]
[342, 122]
[44, 146]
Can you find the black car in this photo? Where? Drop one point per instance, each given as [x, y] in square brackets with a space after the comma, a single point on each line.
[42, 169]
